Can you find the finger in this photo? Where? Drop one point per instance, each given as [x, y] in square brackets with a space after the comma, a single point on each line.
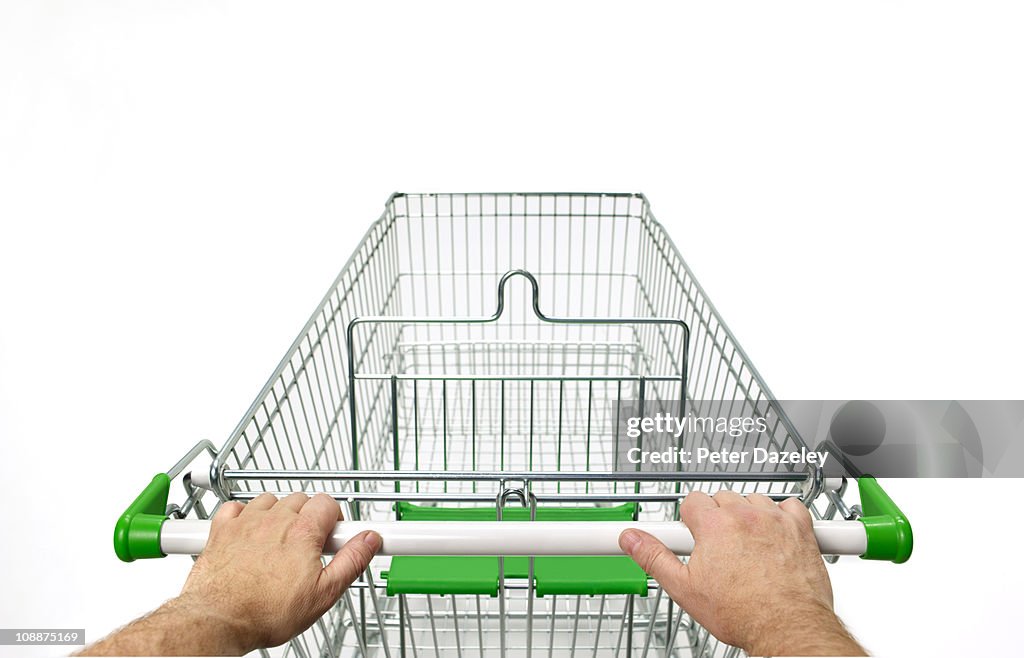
[659, 563]
[228, 510]
[324, 511]
[225, 513]
[692, 510]
[728, 498]
[349, 562]
[760, 500]
[260, 503]
[292, 502]
[796, 509]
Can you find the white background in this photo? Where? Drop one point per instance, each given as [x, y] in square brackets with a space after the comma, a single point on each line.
[180, 181]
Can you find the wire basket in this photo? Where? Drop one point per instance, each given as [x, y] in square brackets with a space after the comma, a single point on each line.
[468, 362]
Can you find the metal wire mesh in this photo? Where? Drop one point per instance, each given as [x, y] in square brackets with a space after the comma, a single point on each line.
[406, 366]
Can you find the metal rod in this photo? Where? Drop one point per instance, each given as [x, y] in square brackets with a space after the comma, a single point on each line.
[540, 476]
[483, 497]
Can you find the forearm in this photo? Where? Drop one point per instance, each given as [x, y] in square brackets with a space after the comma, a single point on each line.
[177, 628]
[818, 633]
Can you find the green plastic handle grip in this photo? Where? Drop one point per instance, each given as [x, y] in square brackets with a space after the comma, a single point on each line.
[888, 530]
[137, 532]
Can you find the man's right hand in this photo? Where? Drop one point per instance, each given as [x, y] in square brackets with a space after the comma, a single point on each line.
[755, 579]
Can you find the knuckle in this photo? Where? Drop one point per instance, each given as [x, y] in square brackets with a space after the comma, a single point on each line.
[648, 559]
[298, 495]
[694, 497]
[658, 562]
[228, 508]
[227, 513]
[796, 510]
[323, 496]
[353, 563]
[722, 494]
[361, 554]
[326, 502]
[761, 499]
[792, 505]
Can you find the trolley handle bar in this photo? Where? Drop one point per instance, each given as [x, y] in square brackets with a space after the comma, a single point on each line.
[144, 531]
[188, 537]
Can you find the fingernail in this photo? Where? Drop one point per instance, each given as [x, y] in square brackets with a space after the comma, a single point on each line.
[373, 540]
[629, 541]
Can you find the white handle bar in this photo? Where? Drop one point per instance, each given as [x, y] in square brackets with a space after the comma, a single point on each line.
[188, 537]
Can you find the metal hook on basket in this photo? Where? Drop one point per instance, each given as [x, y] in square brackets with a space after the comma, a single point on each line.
[525, 496]
[534, 294]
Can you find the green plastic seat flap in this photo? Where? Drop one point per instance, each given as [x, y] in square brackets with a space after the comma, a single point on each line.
[563, 575]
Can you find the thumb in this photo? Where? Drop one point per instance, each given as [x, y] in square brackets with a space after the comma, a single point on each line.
[659, 563]
[350, 561]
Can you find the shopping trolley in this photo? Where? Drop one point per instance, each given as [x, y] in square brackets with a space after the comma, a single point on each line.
[459, 390]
